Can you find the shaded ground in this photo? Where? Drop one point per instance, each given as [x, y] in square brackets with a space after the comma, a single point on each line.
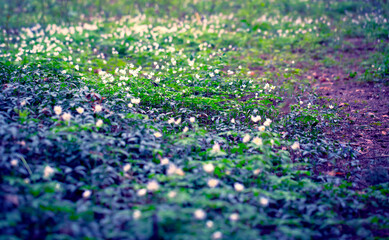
[364, 116]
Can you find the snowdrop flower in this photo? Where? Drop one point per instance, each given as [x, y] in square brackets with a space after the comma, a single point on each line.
[209, 224]
[234, 217]
[66, 116]
[86, 194]
[172, 194]
[217, 235]
[257, 141]
[215, 148]
[267, 122]
[152, 186]
[141, 192]
[99, 123]
[164, 161]
[80, 110]
[14, 162]
[48, 171]
[58, 110]
[127, 167]
[256, 118]
[212, 183]
[192, 119]
[157, 134]
[246, 138]
[199, 214]
[98, 108]
[135, 100]
[257, 171]
[209, 168]
[238, 187]
[137, 214]
[171, 169]
[178, 121]
[295, 145]
[264, 201]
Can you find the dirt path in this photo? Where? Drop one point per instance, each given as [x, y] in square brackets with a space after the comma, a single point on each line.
[364, 113]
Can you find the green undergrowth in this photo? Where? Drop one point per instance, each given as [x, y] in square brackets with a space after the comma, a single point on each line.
[203, 127]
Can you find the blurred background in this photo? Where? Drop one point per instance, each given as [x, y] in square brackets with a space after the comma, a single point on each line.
[22, 13]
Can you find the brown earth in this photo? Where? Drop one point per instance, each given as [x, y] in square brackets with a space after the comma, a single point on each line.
[364, 112]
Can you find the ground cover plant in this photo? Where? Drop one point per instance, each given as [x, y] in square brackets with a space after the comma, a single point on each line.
[194, 120]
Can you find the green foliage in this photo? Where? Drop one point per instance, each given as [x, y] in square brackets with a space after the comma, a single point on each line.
[175, 127]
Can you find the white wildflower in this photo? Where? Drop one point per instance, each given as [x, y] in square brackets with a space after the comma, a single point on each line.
[209, 168]
[199, 214]
[58, 110]
[238, 187]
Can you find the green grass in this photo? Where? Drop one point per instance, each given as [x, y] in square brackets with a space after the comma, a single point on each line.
[170, 131]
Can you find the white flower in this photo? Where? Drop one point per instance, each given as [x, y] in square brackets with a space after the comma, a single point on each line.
[215, 148]
[255, 118]
[217, 235]
[157, 134]
[238, 187]
[185, 129]
[14, 162]
[77, 67]
[331, 106]
[246, 138]
[141, 192]
[171, 120]
[257, 141]
[66, 116]
[135, 100]
[86, 194]
[257, 171]
[295, 145]
[178, 121]
[127, 167]
[234, 217]
[136, 214]
[209, 224]
[130, 105]
[212, 182]
[199, 214]
[267, 122]
[264, 201]
[99, 123]
[152, 186]
[164, 161]
[48, 171]
[301, 102]
[22, 103]
[192, 119]
[80, 110]
[209, 168]
[233, 120]
[172, 194]
[58, 110]
[262, 128]
[98, 108]
[171, 169]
